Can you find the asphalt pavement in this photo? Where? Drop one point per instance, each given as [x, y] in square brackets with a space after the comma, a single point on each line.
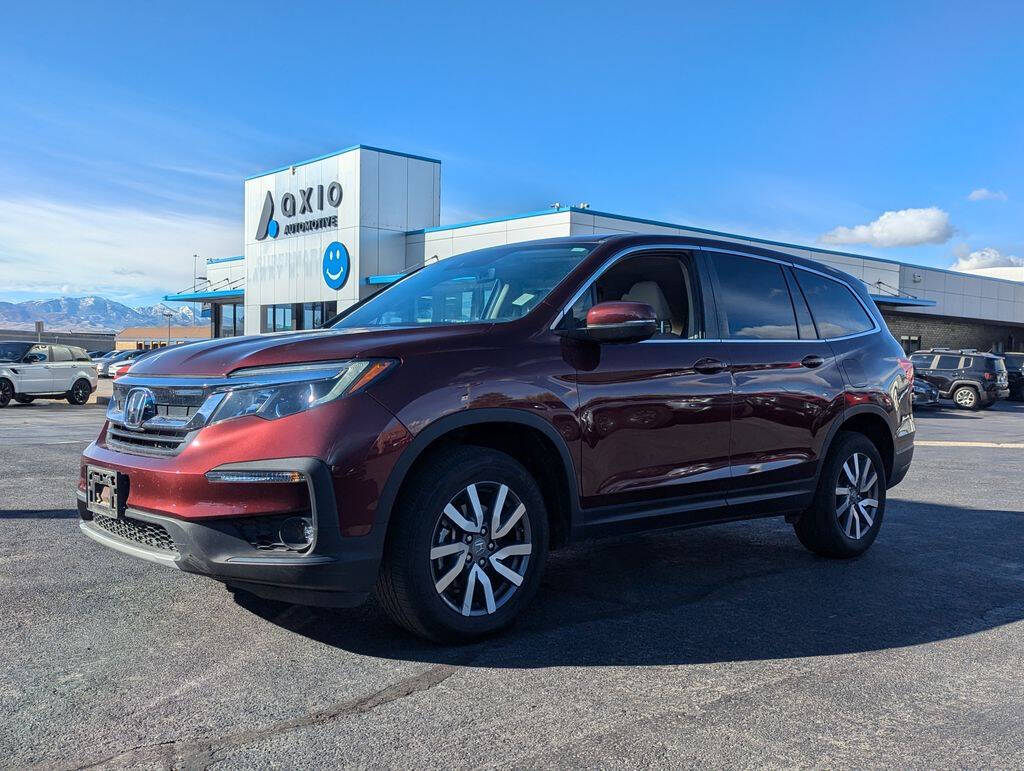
[724, 646]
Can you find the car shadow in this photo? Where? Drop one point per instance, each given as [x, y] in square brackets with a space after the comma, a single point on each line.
[39, 514]
[737, 592]
[947, 412]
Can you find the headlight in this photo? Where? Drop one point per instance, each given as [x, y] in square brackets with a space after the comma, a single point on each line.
[276, 392]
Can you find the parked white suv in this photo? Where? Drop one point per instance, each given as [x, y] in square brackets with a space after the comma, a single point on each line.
[44, 371]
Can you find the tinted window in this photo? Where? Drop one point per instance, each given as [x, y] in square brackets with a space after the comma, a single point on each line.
[753, 299]
[967, 363]
[80, 354]
[60, 353]
[948, 362]
[922, 361]
[836, 311]
[803, 315]
[1015, 362]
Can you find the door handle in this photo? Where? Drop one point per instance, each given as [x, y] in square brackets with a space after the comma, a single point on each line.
[710, 366]
[812, 361]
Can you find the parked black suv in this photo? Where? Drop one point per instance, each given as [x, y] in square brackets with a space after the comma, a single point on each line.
[973, 380]
[1015, 374]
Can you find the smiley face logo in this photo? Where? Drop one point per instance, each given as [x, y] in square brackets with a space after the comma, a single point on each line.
[335, 265]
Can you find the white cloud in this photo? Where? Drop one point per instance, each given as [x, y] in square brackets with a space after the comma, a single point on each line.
[987, 258]
[50, 248]
[907, 227]
[984, 194]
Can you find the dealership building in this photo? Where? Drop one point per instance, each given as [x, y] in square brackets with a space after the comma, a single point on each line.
[323, 233]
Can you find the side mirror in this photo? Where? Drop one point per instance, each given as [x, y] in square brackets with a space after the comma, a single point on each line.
[617, 322]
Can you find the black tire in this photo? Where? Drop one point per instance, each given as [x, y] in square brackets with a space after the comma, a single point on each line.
[822, 528]
[406, 584]
[24, 399]
[6, 391]
[79, 393]
[966, 397]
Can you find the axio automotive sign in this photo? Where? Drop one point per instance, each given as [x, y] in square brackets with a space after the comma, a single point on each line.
[310, 200]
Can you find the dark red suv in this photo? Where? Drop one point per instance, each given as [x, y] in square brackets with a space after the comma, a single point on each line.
[437, 439]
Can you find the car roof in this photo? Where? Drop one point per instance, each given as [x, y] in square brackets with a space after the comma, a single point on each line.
[614, 241]
[957, 352]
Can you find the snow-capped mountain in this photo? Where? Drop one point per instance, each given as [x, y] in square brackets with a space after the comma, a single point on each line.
[92, 314]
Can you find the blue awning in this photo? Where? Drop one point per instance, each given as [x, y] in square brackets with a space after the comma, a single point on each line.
[219, 295]
[881, 299]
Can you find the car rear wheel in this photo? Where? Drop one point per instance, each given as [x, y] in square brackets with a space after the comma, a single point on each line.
[6, 392]
[466, 548]
[24, 399]
[79, 393]
[966, 398]
[849, 503]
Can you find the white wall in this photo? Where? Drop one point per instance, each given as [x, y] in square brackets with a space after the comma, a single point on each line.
[383, 196]
[444, 243]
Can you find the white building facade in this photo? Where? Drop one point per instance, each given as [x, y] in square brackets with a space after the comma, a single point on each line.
[322, 234]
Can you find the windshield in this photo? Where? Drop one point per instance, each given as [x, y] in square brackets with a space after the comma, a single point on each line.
[13, 351]
[490, 285]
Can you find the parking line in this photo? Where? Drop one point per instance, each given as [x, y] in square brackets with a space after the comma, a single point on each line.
[998, 445]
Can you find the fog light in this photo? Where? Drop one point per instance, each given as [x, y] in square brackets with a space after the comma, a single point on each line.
[254, 476]
[296, 533]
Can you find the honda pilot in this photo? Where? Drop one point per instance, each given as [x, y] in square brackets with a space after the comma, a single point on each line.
[435, 441]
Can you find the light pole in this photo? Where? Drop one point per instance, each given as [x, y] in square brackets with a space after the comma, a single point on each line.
[169, 316]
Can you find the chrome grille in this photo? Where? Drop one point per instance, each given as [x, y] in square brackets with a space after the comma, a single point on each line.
[182, 406]
[145, 533]
[148, 442]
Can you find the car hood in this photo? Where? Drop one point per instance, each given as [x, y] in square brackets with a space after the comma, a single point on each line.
[223, 356]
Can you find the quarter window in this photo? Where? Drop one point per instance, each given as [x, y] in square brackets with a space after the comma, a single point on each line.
[753, 299]
[835, 309]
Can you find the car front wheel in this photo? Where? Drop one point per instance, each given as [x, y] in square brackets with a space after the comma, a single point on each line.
[466, 548]
[6, 392]
[849, 503]
[79, 393]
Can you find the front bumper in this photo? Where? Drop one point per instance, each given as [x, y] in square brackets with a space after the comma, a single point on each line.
[334, 571]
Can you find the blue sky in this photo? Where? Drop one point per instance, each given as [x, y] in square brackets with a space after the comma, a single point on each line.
[126, 130]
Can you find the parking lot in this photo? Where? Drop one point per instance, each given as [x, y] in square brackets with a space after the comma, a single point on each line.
[729, 645]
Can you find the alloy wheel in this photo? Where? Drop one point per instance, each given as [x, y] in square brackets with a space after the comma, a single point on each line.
[964, 397]
[480, 548]
[857, 496]
[6, 392]
[80, 392]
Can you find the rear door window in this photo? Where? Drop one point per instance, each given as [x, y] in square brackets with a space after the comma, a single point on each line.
[836, 310]
[922, 362]
[753, 299]
[947, 362]
[61, 353]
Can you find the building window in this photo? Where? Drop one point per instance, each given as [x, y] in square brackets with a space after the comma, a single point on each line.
[910, 343]
[292, 316]
[228, 320]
